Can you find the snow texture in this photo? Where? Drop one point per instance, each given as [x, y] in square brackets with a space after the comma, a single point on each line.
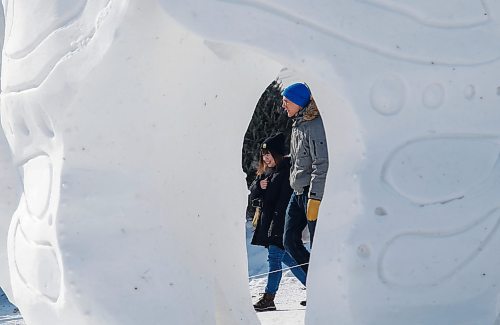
[9, 314]
[125, 121]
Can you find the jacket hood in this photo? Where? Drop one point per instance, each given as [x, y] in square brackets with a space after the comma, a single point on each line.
[309, 113]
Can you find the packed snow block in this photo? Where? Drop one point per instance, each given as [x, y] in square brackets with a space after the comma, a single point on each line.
[10, 191]
[408, 227]
[130, 158]
[126, 122]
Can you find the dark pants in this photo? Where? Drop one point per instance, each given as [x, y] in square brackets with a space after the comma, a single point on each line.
[295, 222]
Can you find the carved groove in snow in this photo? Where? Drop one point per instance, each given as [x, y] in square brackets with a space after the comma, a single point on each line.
[57, 41]
[37, 266]
[470, 92]
[441, 169]
[434, 96]
[451, 26]
[50, 15]
[436, 14]
[397, 267]
[34, 256]
[37, 185]
[388, 95]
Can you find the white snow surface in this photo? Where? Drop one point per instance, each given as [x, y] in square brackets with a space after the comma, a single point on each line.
[121, 191]
[291, 292]
[9, 314]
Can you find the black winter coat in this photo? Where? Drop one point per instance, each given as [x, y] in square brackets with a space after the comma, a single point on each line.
[275, 198]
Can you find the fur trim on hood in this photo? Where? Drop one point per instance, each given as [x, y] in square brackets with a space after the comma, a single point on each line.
[311, 111]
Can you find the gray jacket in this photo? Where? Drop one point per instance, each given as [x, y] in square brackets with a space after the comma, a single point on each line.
[309, 153]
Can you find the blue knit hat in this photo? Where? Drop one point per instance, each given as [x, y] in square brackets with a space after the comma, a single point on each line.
[298, 93]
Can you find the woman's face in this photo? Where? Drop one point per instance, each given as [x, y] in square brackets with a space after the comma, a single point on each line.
[268, 160]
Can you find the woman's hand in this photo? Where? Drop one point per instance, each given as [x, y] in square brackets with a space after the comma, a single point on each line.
[263, 183]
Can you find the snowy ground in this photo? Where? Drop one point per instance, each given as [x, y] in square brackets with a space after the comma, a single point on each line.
[287, 300]
[289, 311]
[290, 293]
[9, 315]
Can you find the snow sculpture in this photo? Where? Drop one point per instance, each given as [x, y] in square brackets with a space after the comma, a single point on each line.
[9, 192]
[120, 115]
[10, 189]
[102, 235]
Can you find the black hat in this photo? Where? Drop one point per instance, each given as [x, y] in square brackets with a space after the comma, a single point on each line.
[275, 144]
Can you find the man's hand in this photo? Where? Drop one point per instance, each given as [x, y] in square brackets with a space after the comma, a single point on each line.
[312, 209]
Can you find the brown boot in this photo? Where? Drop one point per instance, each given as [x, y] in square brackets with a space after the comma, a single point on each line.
[265, 303]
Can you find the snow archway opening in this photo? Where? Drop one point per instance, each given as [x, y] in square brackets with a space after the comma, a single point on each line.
[342, 133]
[128, 117]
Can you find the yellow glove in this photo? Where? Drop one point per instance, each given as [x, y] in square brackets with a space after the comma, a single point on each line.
[312, 209]
[256, 218]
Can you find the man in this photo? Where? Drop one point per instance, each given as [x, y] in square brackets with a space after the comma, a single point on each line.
[309, 165]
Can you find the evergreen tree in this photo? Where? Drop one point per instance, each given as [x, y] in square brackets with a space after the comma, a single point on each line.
[268, 119]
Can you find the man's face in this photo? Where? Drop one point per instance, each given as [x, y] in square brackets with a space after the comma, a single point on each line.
[291, 108]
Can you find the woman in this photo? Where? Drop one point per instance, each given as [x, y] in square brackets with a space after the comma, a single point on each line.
[270, 193]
